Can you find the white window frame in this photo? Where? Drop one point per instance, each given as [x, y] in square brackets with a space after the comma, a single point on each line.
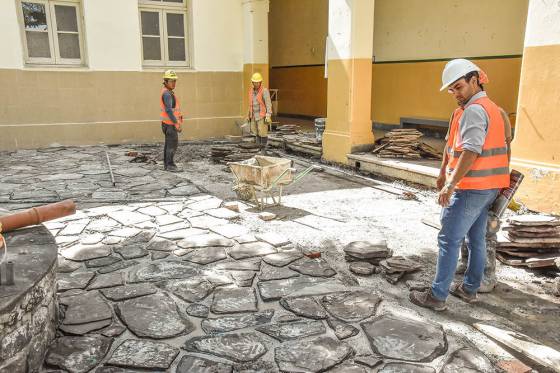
[163, 8]
[52, 31]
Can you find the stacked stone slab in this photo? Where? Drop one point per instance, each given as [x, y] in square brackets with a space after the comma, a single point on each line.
[365, 256]
[395, 268]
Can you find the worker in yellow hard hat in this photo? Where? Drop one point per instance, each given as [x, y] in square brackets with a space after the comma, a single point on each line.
[171, 119]
[260, 110]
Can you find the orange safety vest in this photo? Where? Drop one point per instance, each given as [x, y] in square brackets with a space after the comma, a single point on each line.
[176, 111]
[490, 170]
[260, 100]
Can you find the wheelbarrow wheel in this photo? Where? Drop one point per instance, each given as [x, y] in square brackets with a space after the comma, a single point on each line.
[244, 192]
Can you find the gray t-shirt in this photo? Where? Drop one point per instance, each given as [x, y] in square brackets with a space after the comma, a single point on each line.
[473, 126]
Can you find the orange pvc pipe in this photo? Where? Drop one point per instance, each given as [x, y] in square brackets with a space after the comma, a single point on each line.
[37, 215]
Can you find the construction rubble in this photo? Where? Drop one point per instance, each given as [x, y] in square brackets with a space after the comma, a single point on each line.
[404, 143]
[531, 241]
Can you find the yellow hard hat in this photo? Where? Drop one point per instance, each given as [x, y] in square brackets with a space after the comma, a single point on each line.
[170, 75]
[257, 78]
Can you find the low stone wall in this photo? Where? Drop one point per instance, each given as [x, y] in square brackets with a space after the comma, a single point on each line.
[28, 309]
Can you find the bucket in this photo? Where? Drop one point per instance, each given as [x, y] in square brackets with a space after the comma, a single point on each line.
[320, 128]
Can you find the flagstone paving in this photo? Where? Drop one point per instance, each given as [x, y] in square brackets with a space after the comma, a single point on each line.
[157, 278]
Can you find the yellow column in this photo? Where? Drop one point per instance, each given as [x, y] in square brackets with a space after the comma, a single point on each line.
[536, 147]
[350, 51]
[255, 24]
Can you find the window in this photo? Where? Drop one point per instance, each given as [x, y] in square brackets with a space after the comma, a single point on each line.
[164, 36]
[52, 32]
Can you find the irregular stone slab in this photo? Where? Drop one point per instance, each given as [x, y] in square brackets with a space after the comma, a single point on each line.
[273, 238]
[82, 329]
[206, 221]
[241, 265]
[234, 300]
[106, 281]
[399, 264]
[241, 348]
[182, 233]
[157, 255]
[102, 262]
[102, 225]
[117, 266]
[131, 171]
[91, 239]
[89, 309]
[206, 204]
[362, 268]
[109, 194]
[74, 228]
[126, 232]
[112, 240]
[198, 310]
[164, 270]
[205, 240]
[75, 280]
[243, 278]
[206, 255]
[283, 258]
[369, 361]
[132, 251]
[317, 355]
[269, 272]
[80, 252]
[351, 306]
[114, 330]
[141, 238]
[349, 368]
[67, 266]
[152, 211]
[405, 368]
[342, 330]
[304, 306]
[129, 291]
[143, 354]
[161, 244]
[78, 354]
[187, 190]
[154, 316]
[405, 339]
[230, 230]
[128, 217]
[190, 290]
[195, 364]
[167, 220]
[276, 289]
[293, 330]
[173, 227]
[368, 249]
[222, 213]
[230, 323]
[250, 250]
[313, 267]
[246, 238]
[468, 360]
[172, 208]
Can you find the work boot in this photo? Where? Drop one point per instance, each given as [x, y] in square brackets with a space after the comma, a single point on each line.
[427, 300]
[458, 290]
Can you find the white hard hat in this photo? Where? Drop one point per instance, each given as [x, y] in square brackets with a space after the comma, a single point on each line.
[456, 69]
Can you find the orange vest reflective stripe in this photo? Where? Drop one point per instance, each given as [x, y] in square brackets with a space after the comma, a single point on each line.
[490, 170]
[176, 111]
[260, 100]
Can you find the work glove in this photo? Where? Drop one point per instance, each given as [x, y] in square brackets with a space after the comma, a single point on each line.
[268, 119]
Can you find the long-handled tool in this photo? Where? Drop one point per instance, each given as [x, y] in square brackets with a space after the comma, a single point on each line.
[110, 168]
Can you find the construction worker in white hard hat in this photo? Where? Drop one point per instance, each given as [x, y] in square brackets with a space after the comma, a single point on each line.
[171, 119]
[260, 111]
[475, 167]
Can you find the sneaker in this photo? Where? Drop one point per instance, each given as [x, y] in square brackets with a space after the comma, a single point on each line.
[459, 291]
[427, 300]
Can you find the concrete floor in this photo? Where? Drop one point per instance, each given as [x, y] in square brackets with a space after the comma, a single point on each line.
[324, 212]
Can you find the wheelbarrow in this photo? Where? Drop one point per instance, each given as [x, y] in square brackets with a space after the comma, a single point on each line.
[260, 178]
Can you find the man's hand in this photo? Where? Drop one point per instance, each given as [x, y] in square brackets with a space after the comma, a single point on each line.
[268, 119]
[179, 128]
[444, 195]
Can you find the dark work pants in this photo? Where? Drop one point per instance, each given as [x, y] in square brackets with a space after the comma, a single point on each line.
[171, 142]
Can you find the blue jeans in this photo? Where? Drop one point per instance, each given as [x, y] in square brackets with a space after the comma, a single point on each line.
[466, 215]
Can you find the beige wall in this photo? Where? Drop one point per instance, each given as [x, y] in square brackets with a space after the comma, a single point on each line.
[440, 29]
[297, 32]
